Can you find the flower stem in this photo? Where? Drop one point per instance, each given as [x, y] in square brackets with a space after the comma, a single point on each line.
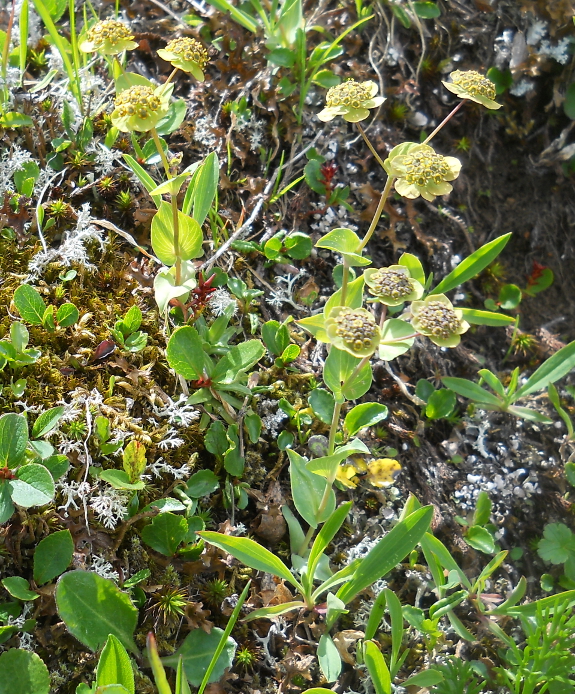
[444, 121]
[378, 213]
[161, 152]
[171, 77]
[333, 427]
[344, 282]
[382, 316]
[371, 147]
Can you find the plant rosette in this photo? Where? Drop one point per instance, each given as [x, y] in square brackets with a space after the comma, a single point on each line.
[469, 84]
[353, 330]
[186, 54]
[352, 100]
[436, 318]
[108, 37]
[140, 107]
[421, 171]
[392, 285]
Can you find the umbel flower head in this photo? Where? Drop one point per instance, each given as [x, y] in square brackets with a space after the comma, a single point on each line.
[108, 37]
[353, 330]
[186, 54]
[436, 318]
[469, 84]
[352, 100]
[392, 285]
[421, 171]
[141, 107]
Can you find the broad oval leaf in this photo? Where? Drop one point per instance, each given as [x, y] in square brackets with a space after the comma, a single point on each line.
[13, 439]
[329, 658]
[473, 264]
[34, 486]
[47, 421]
[393, 331]
[185, 353]
[239, 359]
[165, 533]
[93, 607]
[197, 651]
[190, 236]
[67, 315]
[30, 304]
[364, 415]
[23, 672]
[52, 556]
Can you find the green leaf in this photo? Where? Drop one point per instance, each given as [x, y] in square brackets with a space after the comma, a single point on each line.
[34, 486]
[480, 539]
[483, 508]
[315, 325]
[196, 653]
[322, 403]
[205, 187]
[472, 391]
[238, 359]
[338, 367]
[473, 265]
[163, 242]
[19, 588]
[426, 678]
[393, 330]
[388, 552]
[216, 440]
[326, 466]
[476, 317]
[569, 103]
[307, 491]
[440, 404]
[528, 413]
[550, 371]
[557, 545]
[377, 668]
[509, 296]
[329, 658]
[251, 554]
[13, 119]
[365, 415]
[274, 610]
[202, 483]
[284, 57]
[52, 556]
[119, 479]
[13, 439]
[185, 353]
[23, 672]
[347, 243]
[325, 536]
[114, 666]
[47, 421]
[6, 505]
[165, 533]
[353, 298]
[132, 320]
[426, 9]
[67, 315]
[551, 603]
[93, 607]
[501, 79]
[326, 79]
[413, 264]
[29, 304]
[175, 117]
[144, 177]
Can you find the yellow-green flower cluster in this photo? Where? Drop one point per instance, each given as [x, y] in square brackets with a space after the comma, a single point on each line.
[392, 285]
[436, 318]
[352, 100]
[421, 171]
[186, 54]
[140, 108]
[353, 330]
[469, 84]
[108, 37]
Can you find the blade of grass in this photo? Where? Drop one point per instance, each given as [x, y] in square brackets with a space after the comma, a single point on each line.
[23, 51]
[221, 645]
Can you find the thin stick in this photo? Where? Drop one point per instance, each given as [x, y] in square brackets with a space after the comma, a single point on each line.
[378, 212]
[371, 147]
[444, 121]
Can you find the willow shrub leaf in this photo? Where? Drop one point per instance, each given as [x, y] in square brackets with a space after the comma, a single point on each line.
[114, 666]
[388, 552]
[19, 588]
[67, 315]
[23, 672]
[473, 265]
[13, 439]
[196, 653]
[119, 479]
[185, 353]
[47, 421]
[30, 304]
[6, 505]
[165, 533]
[550, 371]
[238, 360]
[52, 556]
[251, 554]
[307, 491]
[93, 607]
[329, 658]
[483, 508]
[364, 415]
[377, 668]
[34, 486]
